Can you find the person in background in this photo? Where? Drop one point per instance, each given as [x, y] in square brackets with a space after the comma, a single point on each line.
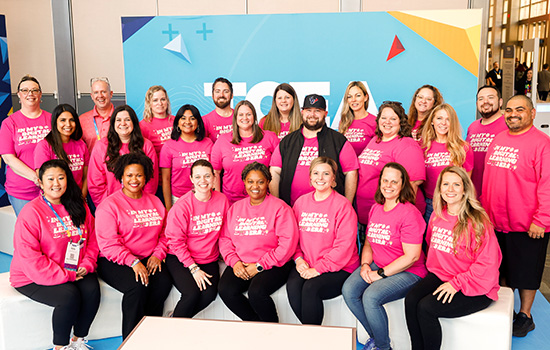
[494, 77]
[55, 255]
[19, 135]
[219, 121]
[95, 123]
[525, 85]
[424, 100]
[543, 86]
[64, 142]
[284, 116]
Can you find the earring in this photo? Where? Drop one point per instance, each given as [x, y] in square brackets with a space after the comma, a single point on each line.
[178, 129]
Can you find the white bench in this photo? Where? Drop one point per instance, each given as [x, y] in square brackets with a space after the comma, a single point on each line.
[487, 329]
[7, 226]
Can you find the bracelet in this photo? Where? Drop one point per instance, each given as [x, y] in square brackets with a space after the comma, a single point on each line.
[194, 269]
[193, 266]
[298, 258]
[136, 261]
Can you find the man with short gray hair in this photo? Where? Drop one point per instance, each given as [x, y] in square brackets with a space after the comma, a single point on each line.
[95, 123]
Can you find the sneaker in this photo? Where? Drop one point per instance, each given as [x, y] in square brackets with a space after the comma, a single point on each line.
[80, 344]
[369, 345]
[522, 325]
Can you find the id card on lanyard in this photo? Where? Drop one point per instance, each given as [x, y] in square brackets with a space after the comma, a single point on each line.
[72, 254]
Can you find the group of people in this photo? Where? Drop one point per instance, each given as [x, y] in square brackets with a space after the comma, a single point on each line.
[385, 207]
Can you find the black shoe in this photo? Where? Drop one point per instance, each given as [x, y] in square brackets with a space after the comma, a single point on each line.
[522, 325]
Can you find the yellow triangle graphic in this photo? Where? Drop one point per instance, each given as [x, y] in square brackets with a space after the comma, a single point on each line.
[461, 45]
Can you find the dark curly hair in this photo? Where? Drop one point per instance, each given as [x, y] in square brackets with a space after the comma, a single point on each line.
[404, 127]
[113, 140]
[134, 158]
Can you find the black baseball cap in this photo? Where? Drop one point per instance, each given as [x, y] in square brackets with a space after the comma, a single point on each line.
[315, 101]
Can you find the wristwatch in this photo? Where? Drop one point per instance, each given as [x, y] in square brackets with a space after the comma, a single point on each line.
[259, 267]
[381, 273]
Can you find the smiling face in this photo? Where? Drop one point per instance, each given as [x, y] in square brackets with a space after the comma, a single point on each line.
[441, 123]
[488, 103]
[284, 101]
[322, 178]
[313, 118]
[101, 94]
[356, 99]
[159, 103]
[54, 184]
[133, 180]
[202, 179]
[66, 125]
[424, 101]
[452, 190]
[391, 184]
[188, 123]
[124, 125]
[221, 95]
[29, 93]
[518, 115]
[245, 118]
[256, 185]
[388, 124]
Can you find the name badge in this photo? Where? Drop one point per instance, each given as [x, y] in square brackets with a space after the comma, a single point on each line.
[498, 76]
[72, 256]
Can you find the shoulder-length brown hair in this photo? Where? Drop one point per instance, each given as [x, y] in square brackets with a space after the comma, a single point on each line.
[257, 133]
[273, 118]
[406, 195]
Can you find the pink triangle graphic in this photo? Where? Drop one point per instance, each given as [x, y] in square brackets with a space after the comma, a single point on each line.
[396, 48]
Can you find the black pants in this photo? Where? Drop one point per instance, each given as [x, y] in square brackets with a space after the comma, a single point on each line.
[138, 300]
[75, 304]
[192, 299]
[422, 310]
[306, 296]
[258, 306]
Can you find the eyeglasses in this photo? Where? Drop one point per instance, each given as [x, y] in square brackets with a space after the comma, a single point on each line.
[26, 91]
[427, 99]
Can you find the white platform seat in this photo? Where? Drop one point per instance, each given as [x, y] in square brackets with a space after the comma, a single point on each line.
[7, 226]
[488, 329]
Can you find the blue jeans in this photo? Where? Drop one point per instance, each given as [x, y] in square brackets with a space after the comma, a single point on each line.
[17, 204]
[429, 209]
[366, 301]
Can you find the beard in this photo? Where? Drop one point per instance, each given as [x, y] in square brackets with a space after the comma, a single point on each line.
[222, 105]
[489, 113]
[315, 126]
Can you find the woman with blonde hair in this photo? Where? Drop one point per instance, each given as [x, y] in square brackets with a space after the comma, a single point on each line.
[443, 146]
[284, 116]
[463, 261]
[156, 125]
[424, 100]
[356, 123]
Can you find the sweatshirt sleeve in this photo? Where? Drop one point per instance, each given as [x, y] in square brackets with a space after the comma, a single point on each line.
[298, 253]
[37, 267]
[227, 248]
[149, 150]
[482, 276]
[110, 241]
[89, 260]
[541, 217]
[41, 154]
[97, 178]
[162, 245]
[345, 231]
[176, 224]
[286, 230]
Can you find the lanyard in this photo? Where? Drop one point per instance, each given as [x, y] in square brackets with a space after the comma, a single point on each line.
[61, 221]
[96, 130]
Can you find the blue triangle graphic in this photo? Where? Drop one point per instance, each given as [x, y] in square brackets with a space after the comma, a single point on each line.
[4, 49]
[3, 97]
[6, 77]
[177, 47]
[130, 25]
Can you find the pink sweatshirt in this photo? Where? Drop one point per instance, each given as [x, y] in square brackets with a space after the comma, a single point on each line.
[157, 131]
[360, 132]
[472, 273]
[217, 125]
[76, 151]
[102, 182]
[416, 133]
[19, 136]
[130, 228]
[328, 232]
[40, 243]
[233, 158]
[516, 181]
[285, 128]
[193, 228]
[404, 151]
[310, 151]
[266, 234]
[387, 231]
[178, 156]
[480, 137]
[438, 158]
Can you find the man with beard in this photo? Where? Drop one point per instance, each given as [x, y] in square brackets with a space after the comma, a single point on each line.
[220, 120]
[482, 132]
[291, 159]
[516, 197]
[95, 123]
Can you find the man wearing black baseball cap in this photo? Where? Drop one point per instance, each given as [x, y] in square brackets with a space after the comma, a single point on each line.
[290, 161]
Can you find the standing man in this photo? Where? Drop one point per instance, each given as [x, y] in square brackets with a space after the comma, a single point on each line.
[516, 196]
[291, 159]
[494, 77]
[95, 123]
[543, 82]
[220, 120]
[482, 132]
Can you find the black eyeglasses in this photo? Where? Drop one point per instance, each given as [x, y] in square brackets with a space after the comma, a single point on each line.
[26, 91]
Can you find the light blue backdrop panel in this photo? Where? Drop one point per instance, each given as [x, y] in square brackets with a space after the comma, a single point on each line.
[317, 53]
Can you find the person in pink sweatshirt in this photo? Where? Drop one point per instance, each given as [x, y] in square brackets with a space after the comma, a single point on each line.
[233, 151]
[327, 252]
[193, 229]
[124, 137]
[424, 100]
[156, 125]
[392, 261]
[188, 143]
[258, 239]
[463, 261]
[284, 116]
[64, 142]
[55, 255]
[130, 233]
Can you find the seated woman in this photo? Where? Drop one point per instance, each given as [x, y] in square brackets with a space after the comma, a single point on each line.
[463, 261]
[326, 253]
[64, 142]
[258, 240]
[130, 226]
[193, 228]
[55, 255]
[392, 260]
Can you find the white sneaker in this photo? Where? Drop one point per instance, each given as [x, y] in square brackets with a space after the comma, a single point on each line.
[79, 344]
